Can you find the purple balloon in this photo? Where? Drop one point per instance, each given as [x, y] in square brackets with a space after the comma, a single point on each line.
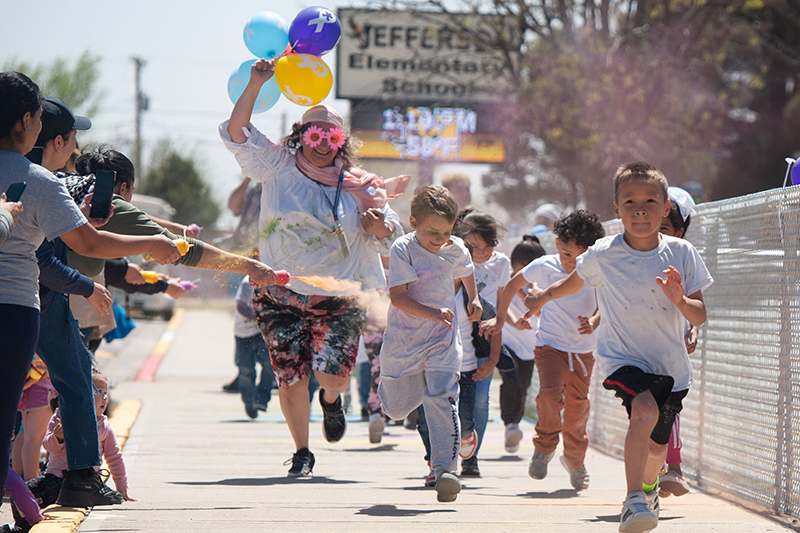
[796, 174]
[315, 30]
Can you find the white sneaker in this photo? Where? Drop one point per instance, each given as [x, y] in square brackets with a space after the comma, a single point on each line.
[653, 502]
[636, 516]
[376, 425]
[672, 483]
[538, 467]
[468, 445]
[513, 436]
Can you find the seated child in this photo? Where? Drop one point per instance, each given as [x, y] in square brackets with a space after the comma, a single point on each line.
[46, 488]
[421, 352]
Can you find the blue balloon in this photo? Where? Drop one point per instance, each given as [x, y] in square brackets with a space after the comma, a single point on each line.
[266, 35]
[796, 173]
[267, 96]
[315, 30]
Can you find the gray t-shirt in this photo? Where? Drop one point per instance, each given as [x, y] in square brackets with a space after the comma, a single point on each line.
[48, 212]
[412, 344]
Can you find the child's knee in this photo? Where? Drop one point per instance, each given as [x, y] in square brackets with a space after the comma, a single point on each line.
[644, 410]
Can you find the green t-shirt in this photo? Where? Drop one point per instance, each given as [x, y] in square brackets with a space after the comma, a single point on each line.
[130, 220]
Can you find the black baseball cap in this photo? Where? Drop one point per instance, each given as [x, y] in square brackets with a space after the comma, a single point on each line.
[58, 119]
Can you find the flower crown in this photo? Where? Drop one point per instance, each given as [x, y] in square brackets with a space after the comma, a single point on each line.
[314, 136]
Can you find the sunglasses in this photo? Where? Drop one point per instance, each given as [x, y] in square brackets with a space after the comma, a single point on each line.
[314, 136]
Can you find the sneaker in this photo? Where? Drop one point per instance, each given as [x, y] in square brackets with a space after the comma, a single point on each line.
[430, 481]
[636, 516]
[302, 465]
[653, 503]
[232, 387]
[23, 527]
[578, 477]
[364, 414]
[513, 436]
[85, 488]
[251, 411]
[447, 488]
[672, 483]
[538, 467]
[469, 445]
[376, 425]
[334, 422]
[469, 467]
[261, 406]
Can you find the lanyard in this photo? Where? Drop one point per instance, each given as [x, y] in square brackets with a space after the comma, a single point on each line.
[334, 206]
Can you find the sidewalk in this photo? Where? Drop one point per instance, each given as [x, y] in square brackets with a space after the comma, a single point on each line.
[197, 463]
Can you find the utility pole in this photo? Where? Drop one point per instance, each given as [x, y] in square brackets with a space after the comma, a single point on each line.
[142, 104]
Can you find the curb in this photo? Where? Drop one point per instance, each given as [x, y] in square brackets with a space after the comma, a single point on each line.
[67, 519]
[148, 371]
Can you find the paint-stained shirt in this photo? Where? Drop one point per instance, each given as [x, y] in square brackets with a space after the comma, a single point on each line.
[296, 226]
[639, 325]
[412, 344]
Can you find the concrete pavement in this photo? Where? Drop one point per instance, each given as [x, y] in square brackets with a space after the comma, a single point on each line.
[197, 463]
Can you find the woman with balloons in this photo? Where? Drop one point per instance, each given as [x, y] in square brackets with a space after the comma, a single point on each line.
[320, 216]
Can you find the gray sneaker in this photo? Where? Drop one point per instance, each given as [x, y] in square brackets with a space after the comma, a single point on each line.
[538, 467]
[636, 516]
[447, 488]
[578, 477]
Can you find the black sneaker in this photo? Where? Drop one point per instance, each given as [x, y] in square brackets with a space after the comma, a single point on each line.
[232, 387]
[85, 488]
[334, 422]
[251, 410]
[23, 527]
[302, 464]
[469, 468]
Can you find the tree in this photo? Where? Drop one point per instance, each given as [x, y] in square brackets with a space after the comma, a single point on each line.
[696, 87]
[76, 86]
[176, 179]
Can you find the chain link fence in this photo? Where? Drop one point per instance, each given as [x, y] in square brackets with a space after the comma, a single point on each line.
[740, 425]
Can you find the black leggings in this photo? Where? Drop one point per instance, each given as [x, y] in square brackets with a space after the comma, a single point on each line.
[514, 389]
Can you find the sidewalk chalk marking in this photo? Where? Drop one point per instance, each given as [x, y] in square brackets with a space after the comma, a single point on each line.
[67, 519]
[148, 371]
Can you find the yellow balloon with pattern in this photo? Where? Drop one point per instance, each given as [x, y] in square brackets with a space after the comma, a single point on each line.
[304, 79]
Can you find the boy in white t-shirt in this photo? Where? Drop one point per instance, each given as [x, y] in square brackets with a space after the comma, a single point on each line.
[421, 352]
[640, 344]
[564, 343]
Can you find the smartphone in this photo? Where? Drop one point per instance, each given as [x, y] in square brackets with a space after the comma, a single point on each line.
[15, 190]
[35, 155]
[103, 191]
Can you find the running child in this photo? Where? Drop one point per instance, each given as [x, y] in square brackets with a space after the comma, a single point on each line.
[421, 352]
[564, 343]
[640, 344]
[675, 224]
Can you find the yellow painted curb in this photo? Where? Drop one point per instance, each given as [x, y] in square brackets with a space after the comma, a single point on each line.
[67, 519]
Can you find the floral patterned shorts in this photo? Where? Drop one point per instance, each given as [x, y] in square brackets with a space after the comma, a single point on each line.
[306, 333]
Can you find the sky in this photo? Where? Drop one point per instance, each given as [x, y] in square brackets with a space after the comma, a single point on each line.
[190, 48]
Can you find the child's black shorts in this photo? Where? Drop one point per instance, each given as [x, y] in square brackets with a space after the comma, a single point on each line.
[629, 381]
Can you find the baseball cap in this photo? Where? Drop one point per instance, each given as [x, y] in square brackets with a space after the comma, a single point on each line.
[58, 119]
[322, 113]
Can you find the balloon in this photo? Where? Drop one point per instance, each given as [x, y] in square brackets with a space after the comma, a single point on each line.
[315, 30]
[266, 35]
[304, 79]
[268, 95]
[796, 173]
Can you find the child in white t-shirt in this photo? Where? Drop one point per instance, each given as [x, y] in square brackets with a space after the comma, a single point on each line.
[640, 344]
[564, 345]
[421, 352]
